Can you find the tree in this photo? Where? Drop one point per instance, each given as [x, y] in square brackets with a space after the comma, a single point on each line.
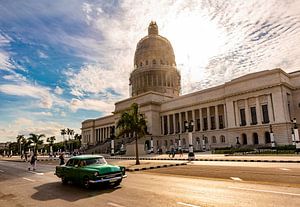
[51, 141]
[78, 137]
[36, 140]
[132, 122]
[63, 132]
[20, 139]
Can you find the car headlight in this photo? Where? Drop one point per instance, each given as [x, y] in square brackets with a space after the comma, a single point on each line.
[96, 173]
[123, 170]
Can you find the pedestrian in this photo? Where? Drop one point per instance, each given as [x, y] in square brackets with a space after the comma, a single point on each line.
[25, 157]
[33, 162]
[180, 152]
[173, 152]
[61, 159]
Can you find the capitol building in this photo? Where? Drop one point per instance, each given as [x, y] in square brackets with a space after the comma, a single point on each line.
[243, 111]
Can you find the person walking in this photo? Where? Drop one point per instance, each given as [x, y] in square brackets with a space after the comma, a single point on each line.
[33, 162]
[61, 159]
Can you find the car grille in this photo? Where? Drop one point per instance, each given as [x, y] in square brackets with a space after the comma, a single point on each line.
[112, 175]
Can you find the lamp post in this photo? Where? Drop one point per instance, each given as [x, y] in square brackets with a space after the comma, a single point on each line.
[203, 143]
[112, 136]
[272, 137]
[151, 144]
[189, 129]
[296, 134]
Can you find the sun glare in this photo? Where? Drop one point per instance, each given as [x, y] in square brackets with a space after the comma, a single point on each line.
[195, 39]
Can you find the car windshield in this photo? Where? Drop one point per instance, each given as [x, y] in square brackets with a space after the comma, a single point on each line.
[92, 161]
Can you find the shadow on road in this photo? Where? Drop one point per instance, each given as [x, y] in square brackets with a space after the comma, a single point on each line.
[56, 190]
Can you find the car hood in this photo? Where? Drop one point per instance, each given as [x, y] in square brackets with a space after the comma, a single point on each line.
[104, 168]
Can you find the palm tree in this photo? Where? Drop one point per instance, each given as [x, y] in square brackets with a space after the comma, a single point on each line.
[20, 139]
[78, 137]
[63, 132]
[36, 139]
[132, 122]
[51, 141]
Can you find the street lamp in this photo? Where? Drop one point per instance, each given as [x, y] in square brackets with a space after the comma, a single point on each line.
[272, 137]
[151, 144]
[189, 129]
[203, 143]
[112, 136]
[296, 134]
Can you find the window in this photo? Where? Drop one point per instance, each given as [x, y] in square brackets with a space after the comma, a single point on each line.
[243, 117]
[213, 122]
[166, 143]
[141, 64]
[154, 62]
[222, 139]
[221, 123]
[198, 125]
[205, 127]
[166, 125]
[267, 137]
[244, 139]
[265, 114]
[255, 138]
[146, 62]
[161, 62]
[253, 115]
[214, 139]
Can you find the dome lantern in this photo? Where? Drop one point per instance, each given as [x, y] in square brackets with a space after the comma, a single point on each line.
[152, 29]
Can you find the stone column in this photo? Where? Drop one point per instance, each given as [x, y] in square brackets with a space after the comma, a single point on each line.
[180, 123]
[237, 114]
[270, 109]
[201, 120]
[169, 123]
[174, 124]
[194, 121]
[225, 116]
[163, 125]
[248, 121]
[217, 117]
[208, 118]
[258, 111]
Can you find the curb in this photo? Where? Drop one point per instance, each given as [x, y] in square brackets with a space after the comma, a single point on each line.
[218, 160]
[154, 167]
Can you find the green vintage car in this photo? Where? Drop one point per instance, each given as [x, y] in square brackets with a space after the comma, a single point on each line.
[90, 169]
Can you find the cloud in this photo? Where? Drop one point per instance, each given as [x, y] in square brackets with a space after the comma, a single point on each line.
[36, 92]
[58, 90]
[26, 126]
[42, 54]
[43, 113]
[90, 104]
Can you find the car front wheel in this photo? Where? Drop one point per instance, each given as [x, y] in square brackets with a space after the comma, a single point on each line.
[64, 180]
[86, 183]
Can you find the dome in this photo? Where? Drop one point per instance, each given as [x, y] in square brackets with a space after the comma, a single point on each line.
[154, 48]
[154, 66]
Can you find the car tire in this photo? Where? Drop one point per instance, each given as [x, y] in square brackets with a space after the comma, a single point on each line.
[85, 183]
[117, 183]
[64, 180]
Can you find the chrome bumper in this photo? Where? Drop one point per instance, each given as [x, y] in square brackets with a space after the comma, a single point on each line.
[108, 179]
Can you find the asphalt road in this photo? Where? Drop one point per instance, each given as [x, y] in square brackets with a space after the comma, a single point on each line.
[198, 184]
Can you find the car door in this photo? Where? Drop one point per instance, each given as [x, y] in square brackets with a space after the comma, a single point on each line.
[68, 169]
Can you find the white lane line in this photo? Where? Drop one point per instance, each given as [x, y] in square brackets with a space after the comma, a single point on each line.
[29, 179]
[236, 178]
[187, 204]
[285, 169]
[114, 204]
[36, 173]
[266, 191]
[1, 171]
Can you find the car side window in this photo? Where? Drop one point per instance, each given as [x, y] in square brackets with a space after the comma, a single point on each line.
[70, 162]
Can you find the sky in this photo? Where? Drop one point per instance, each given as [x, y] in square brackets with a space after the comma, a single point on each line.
[62, 62]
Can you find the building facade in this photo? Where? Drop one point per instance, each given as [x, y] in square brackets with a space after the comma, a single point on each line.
[242, 111]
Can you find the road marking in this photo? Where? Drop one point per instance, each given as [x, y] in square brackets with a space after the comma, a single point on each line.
[285, 169]
[236, 178]
[114, 204]
[1, 171]
[29, 179]
[266, 191]
[187, 204]
[36, 173]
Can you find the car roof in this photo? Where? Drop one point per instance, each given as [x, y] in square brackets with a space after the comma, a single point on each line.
[83, 157]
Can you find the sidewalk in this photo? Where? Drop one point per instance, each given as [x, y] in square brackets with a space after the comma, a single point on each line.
[216, 157]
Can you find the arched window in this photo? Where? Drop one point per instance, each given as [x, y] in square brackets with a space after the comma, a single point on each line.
[214, 139]
[146, 62]
[141, 64]
[244, 139]
[171, 142]
[255, 138]
[153, 61]
[161, 62]
[222, 139]
[166, 143]
[267, 137]
[183, 142]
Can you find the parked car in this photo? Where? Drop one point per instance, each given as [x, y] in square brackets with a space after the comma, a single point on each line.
[90, 169]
